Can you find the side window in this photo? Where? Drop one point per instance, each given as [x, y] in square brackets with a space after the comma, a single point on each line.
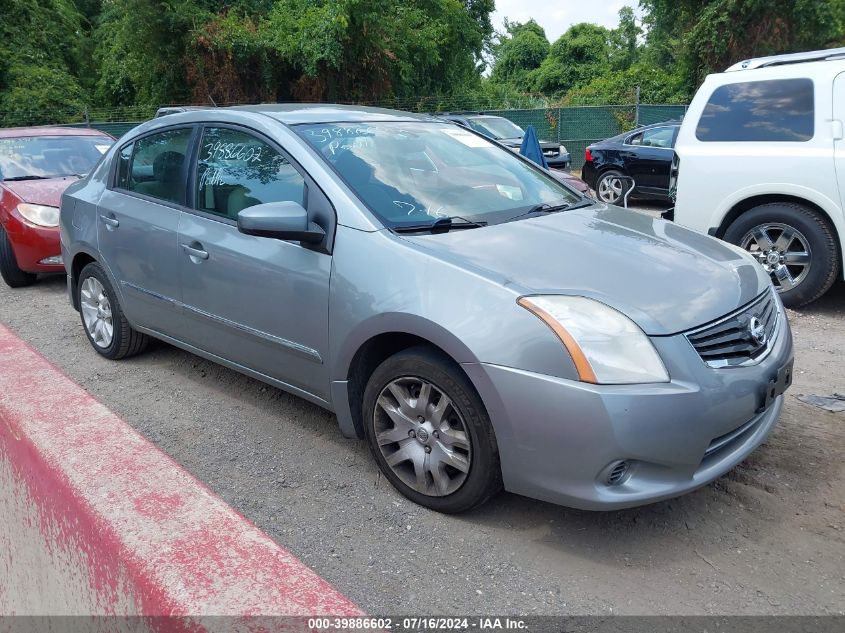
[156, 166]
[637, 139]
[774, 110]
[123, 158]
[658, 137]
[236, 171]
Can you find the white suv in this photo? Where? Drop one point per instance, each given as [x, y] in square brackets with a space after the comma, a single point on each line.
[760, 162]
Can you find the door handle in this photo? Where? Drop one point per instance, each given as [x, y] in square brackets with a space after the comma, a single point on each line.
[195, 250]
[110, 221]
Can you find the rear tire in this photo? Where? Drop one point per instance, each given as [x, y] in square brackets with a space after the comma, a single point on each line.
[103, 320]
[423, 415]
[796, 245]
[609, 189]
[9, 269]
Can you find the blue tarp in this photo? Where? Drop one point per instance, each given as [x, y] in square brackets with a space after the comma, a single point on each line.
[531, 149]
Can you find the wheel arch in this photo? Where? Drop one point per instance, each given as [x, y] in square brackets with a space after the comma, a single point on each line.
[79, 261]
[746, 204]
[367, 348]
[81, 258]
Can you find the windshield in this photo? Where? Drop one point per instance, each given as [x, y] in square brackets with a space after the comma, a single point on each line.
[417, 172]
[496, 127]
[50, 156]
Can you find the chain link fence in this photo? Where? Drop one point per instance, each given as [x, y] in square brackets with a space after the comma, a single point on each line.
[575, 127]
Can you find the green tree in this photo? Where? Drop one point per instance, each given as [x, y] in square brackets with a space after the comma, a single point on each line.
[372, 49]
[705, 36]
[141, 47]
[521, 49]
[41, 46]
[624, 40]
[579, 55]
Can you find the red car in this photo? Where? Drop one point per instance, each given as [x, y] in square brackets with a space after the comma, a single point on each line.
[36, 165]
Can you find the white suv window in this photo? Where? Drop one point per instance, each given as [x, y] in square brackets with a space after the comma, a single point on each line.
[773, 110]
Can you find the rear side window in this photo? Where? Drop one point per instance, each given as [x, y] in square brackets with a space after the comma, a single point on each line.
[775, 110]
[156, 167]
[656, 137]
[237, 170]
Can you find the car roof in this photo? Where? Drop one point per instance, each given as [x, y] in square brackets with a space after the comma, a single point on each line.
[296, 113]
[46, 130]
[637, 130]
[285, 113]
[469, 115]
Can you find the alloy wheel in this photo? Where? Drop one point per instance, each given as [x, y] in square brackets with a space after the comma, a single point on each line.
[96, 312]
[422, 436]
[610, 190]
[782, 250]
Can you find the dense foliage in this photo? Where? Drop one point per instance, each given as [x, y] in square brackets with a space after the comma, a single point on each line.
[667, 54]
[61, 58]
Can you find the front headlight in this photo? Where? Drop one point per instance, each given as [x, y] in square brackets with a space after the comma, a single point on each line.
[606, 346]
[40, 214]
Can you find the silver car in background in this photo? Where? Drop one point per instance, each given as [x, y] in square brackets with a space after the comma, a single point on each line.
[479, 323]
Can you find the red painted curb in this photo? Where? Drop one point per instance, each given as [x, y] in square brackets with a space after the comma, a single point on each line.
[94, 519]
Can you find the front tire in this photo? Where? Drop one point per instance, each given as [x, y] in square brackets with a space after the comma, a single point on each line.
[9, 269]
[105, 325]
[795, 244]
[430, 433]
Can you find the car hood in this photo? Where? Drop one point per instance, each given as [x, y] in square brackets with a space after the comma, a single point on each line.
[47, 192]
[666, 278]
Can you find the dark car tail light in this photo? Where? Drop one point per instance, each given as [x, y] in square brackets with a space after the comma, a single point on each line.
[588, 155]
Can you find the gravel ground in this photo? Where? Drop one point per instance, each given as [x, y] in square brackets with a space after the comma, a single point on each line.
[765, 539]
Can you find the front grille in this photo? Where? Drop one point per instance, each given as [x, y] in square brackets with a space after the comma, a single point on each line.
[551, 153]
[741, 338]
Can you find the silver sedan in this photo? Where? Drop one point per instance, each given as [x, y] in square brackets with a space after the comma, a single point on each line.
[478, 322]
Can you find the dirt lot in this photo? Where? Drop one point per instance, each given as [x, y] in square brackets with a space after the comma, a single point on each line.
[767, 538]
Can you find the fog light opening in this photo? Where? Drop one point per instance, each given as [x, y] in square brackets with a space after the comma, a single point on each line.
[617, 472]
[55, 260]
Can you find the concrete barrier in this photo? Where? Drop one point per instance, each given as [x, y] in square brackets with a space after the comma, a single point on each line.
[95, 520]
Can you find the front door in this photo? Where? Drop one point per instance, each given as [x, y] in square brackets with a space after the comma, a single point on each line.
[648, 155]
[259, 302]
[137, 224]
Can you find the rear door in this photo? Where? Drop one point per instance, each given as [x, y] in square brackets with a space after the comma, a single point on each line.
[137, 223]
[839, 133]
[259, 302]
[648, 156]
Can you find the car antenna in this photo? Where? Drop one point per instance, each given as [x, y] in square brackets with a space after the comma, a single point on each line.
[212, 100]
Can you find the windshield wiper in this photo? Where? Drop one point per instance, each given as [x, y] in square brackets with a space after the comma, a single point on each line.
[545, 207]
[27, 178]
[443, 225]
[34, 177]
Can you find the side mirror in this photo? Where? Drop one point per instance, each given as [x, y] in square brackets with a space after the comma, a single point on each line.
[281, 221]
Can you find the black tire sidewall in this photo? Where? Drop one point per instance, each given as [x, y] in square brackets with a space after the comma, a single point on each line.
[9, 269]
[96, 271]
[484, 477]
[824, 248]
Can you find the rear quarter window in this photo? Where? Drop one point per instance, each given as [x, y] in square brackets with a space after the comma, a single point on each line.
[773, 110]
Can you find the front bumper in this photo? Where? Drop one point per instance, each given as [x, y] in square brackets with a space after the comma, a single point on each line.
[561, 161]
[558, 438]
[33, 244]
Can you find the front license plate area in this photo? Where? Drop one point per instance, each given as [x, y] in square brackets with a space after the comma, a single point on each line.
[776, 386]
